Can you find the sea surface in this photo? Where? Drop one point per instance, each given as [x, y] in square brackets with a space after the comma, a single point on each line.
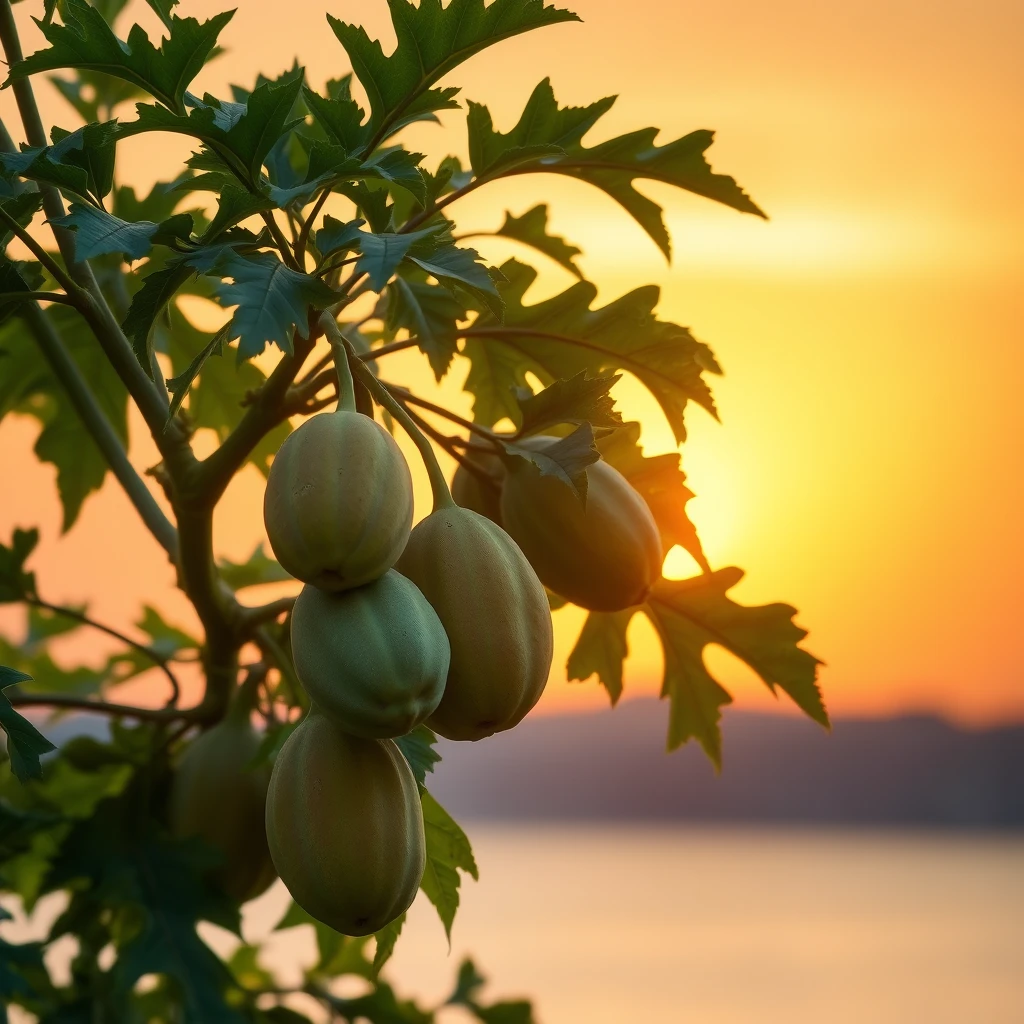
[603, 924]
[621, 924]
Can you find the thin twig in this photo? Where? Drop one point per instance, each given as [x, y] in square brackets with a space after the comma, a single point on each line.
[159, 661]
[307, 226]
[424, 215]
[261, 614]
[102, 707]
[386, 350]
[320, 364]
[38, 297]
[279, 240]
[406, 395]
[57, 272]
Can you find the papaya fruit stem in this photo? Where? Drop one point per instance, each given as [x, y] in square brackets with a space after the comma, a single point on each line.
[384, 398]
[346, 387]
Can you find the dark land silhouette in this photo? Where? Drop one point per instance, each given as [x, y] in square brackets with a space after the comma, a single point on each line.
[914, 770]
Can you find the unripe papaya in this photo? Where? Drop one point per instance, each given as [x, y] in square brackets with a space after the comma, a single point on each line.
[471, 491]
[373, 659]
[338, 504]
[345, 826]
[603, 556]
[219, 797]
[495, 613]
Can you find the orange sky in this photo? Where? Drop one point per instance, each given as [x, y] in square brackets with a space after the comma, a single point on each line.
[868, 464]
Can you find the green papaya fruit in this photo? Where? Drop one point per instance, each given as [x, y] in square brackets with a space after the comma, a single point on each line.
[605, 555]
[471, 491]
[495, 613]
[219, 797]
[345, 826]
[338, 503]
[374, 659]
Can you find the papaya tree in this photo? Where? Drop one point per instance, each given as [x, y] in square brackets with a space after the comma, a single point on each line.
[329, 245]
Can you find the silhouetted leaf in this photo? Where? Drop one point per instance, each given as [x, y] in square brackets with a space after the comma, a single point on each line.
[532, 229]
[548, 138]
[601, 648]
[178, 386]
[448, 851]
[418, 749]
[81, 162]
[382, 253]
[24, 741]
[28, 386]
[272, 300]
[580, 399]
[386, 939]
[561, 336]
[566, 459]
[97, 233]
[432, 40]
[85, 40]
[430, 313]
[338, 236]
[257, 569]
[462, 268]
[22, 207]
[690, 614]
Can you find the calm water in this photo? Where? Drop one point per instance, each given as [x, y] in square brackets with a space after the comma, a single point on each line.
[616, 925]
[714, 926]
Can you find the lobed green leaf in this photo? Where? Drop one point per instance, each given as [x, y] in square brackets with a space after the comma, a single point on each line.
[85, 41]
[690, 614]
[432, 40]
[601, 649]
[24, 741]
[532, 229]
[548, 138]
[562, 336]
[448, 852]
[566, 460]
[580, 399]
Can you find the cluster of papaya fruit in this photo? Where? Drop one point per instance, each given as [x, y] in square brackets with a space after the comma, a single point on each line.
[448, 624]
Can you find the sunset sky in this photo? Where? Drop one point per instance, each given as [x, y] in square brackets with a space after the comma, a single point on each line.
[867, 467]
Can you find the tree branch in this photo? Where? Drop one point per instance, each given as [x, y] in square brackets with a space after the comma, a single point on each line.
[424, 215]
[303, 240]
[57, 272]
[102, 707]
[42, 296]
[99, 428]
[279, 240]
[158, 660]
[264, 613]
[386, 350]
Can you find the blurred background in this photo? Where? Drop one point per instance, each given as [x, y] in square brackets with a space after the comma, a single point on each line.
[867, 469]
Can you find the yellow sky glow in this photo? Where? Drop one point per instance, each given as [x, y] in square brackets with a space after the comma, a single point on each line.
[867, 468]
